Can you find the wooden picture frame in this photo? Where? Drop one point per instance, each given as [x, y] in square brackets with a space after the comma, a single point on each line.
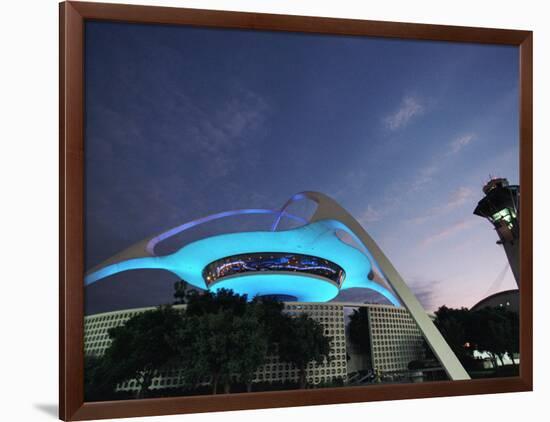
[73, 16]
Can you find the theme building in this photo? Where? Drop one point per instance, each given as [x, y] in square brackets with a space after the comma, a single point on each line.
[324, 254]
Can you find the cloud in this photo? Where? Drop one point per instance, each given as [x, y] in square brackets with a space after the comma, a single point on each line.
[236, 123]
[409, 107]
[427, 173]
[448, 231]
[393, 199]
[424, 176]
[149, 158]
[457, 198]
[459, 143]
[426, 292]
[370, 215]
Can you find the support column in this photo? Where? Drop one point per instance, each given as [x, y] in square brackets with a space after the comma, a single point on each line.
[328, 209]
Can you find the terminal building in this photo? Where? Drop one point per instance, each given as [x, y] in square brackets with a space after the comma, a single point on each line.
[395, 341]
[507, 299]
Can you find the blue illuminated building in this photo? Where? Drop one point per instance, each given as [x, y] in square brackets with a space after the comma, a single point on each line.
[310, 263]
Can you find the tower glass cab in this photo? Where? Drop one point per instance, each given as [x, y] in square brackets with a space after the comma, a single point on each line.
[500, 206]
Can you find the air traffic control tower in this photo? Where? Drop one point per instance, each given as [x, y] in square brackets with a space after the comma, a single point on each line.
[501, 207]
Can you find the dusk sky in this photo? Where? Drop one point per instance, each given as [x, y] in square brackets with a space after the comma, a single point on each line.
[184, 122]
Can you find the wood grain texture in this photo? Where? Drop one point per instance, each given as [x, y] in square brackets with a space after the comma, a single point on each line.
[224, 19]
[71, 213]
[71, 207]
[526, 209]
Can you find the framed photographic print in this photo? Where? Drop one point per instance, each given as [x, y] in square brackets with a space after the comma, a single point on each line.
[269, 210]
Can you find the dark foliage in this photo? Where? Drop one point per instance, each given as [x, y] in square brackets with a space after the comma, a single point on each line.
[143, 347]
[180, 292]
[304, 342]
[220, 339]
[493, 330]
[98, 379]
[359, 334]
[212, 303]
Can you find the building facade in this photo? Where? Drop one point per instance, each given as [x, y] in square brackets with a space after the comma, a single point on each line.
[507, 299]
[395, 341]
[395, 338]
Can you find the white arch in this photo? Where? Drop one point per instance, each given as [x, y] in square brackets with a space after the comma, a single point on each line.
[327, 208]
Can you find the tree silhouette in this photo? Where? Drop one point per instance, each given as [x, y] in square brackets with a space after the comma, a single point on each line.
[495, 330]
[251, 346]
[219, 338]
[99, 378]
[359, 333]
[143, 347]
[222, 337]
[213, 302]
[453, 325]
[180, 292]
[271, 316]
[512, 340]
[492, 330]
[304, 342]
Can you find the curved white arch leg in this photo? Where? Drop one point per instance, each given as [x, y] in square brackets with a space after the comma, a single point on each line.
[329, 209]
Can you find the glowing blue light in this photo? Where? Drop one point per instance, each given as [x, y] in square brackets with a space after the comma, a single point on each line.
[304, 288]
[317, 239]
[186, 226]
